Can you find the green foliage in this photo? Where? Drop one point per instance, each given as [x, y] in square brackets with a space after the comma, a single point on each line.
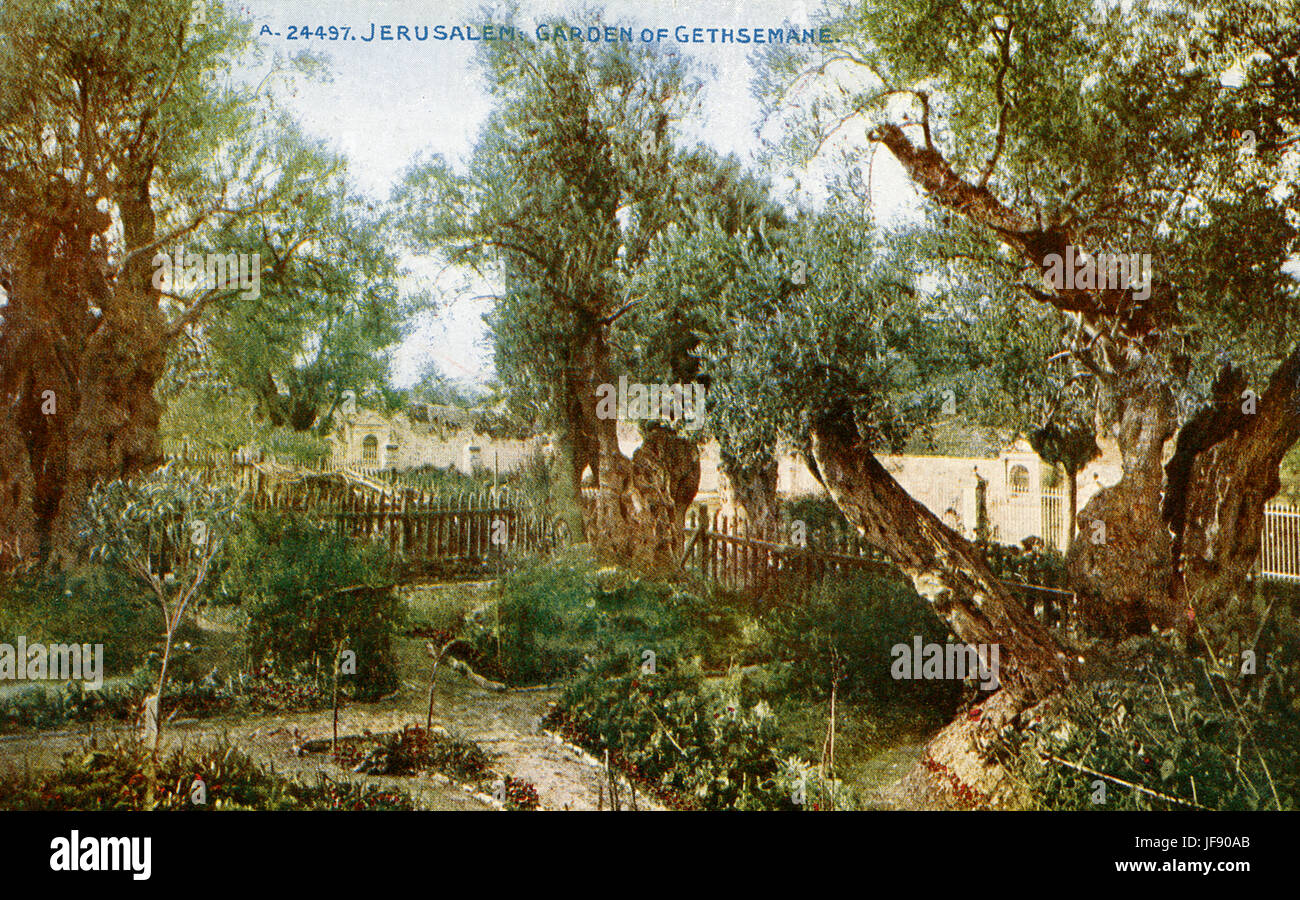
[1031, 564]
[817, 511]
[568, 617]
[111, 778]
[666, 730]
[413, 750]
[555, 615]
[449, 481]
[835, 317]
[88, 605]
[1070, 446]
[1169, 724]
[580, 134]
[688, 744]
[1290, 477]
[45, 706]
[1065, 112]
[331, 309]
[309, 594]
[437, 387]
[166, 523]
[225, 419]
[842, 631]
[40, 706]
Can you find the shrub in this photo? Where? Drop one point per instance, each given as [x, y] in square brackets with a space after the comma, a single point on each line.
[50, 706]
[845, 628]
[308, 594]
[1165, 722]
[521, 795]
[817, 511]
[89, 605]
[1031, 564]
[691, 746]
[448, 481]
[556, 614]
[41, 706]
[413, 749]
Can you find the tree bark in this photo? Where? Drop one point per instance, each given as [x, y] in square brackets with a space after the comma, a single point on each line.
[640, 509]
[1223, 472]
[1072, 508]
[80, 353]
[638, 517]
[753, 488]
[1121, 562]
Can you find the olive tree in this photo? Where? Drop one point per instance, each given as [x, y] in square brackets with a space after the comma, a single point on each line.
[165, 530]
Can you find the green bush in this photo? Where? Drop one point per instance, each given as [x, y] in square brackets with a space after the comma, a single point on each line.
[413, 749]
[307, 593]
[45, 706]
[556, 614]
[844, 629]
[688, 744]
[1032, 564]
[1164, 721]
[449, 481]
[88, 605]
[817, 511]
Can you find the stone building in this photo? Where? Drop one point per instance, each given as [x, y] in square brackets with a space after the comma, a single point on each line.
[424, 435]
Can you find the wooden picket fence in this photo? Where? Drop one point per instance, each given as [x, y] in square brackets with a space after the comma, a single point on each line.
[735, 555]
[260, 473]
[426, 531]
[728, 552]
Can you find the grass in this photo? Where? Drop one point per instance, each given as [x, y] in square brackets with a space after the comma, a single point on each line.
[433, 608]
[552, 618]
[874, 745]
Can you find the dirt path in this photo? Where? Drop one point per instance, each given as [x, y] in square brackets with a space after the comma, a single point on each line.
[506, 724]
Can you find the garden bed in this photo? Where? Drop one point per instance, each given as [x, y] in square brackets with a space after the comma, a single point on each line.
[415, 752]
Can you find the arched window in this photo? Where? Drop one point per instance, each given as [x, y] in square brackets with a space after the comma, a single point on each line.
[370, 450]
[1018, 480]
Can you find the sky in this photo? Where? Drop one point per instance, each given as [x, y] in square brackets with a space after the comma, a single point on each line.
[388, 101]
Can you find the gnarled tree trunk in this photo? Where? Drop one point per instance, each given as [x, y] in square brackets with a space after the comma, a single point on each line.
[1177, 536]
[80, 352]
[639, 513]
[641, 503]
[1223, 471]
[1120, 562]
[753, 487]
